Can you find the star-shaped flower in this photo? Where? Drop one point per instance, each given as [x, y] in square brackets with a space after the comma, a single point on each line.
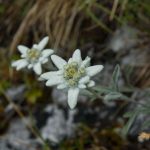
[73, 75]
[33, 57]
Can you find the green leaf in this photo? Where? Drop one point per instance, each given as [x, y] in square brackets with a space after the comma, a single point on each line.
[86, 93]
[98, 21]
[128, 114]
[113, 96]
[146, 124]
[102, 90]
[115, 78]
[130, 122]
[145, 110]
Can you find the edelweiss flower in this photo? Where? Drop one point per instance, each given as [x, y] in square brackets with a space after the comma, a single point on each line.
[73, 75]
[33, 57]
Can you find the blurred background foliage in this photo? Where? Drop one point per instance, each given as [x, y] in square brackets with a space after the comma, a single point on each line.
[71, 24]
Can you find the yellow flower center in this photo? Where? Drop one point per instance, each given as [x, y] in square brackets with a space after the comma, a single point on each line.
[72, 73]
[33, 54]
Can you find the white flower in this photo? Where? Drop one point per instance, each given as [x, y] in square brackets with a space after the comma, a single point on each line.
[74, 75]
[33, 57]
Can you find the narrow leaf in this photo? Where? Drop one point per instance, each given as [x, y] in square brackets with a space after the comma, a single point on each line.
[102, 90]
[146, 124]
[113, 96]
[129, 123]
[115, 78]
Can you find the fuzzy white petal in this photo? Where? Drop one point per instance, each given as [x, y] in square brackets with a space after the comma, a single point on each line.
[58, 61]
[84, 80]
[70, 60]
[72, 97]
[47, 52]
[77, 56]
[82, 86]
[86, 62]
[54, 80]
[19, 64]
[43, 61]
[91, 84]
[49, 75]
[40, 79]
[30, 66]
[43, 43]
[23, 55]
[23, 49]
[93, 70]
[62, 86]
[37, 68]
[35, 46]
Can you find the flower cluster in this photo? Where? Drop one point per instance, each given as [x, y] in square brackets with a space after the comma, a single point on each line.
[72, 75]
[33, 57]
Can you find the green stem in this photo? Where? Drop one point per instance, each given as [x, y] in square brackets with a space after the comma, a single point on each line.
[98, 21]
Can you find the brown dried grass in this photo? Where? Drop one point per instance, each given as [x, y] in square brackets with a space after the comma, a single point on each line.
[57, 18]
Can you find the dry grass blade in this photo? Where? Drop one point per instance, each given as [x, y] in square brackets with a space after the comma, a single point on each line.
[60, 20]
[27, 22]
[114, 8]
[123, 7]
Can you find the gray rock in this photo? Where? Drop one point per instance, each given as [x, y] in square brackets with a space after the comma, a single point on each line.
[124, 38]
[58, 126]
[16, 93]
[136, 57]
[17, 137]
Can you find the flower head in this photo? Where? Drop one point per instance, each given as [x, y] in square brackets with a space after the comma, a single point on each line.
[33, 57]
[74, 75]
